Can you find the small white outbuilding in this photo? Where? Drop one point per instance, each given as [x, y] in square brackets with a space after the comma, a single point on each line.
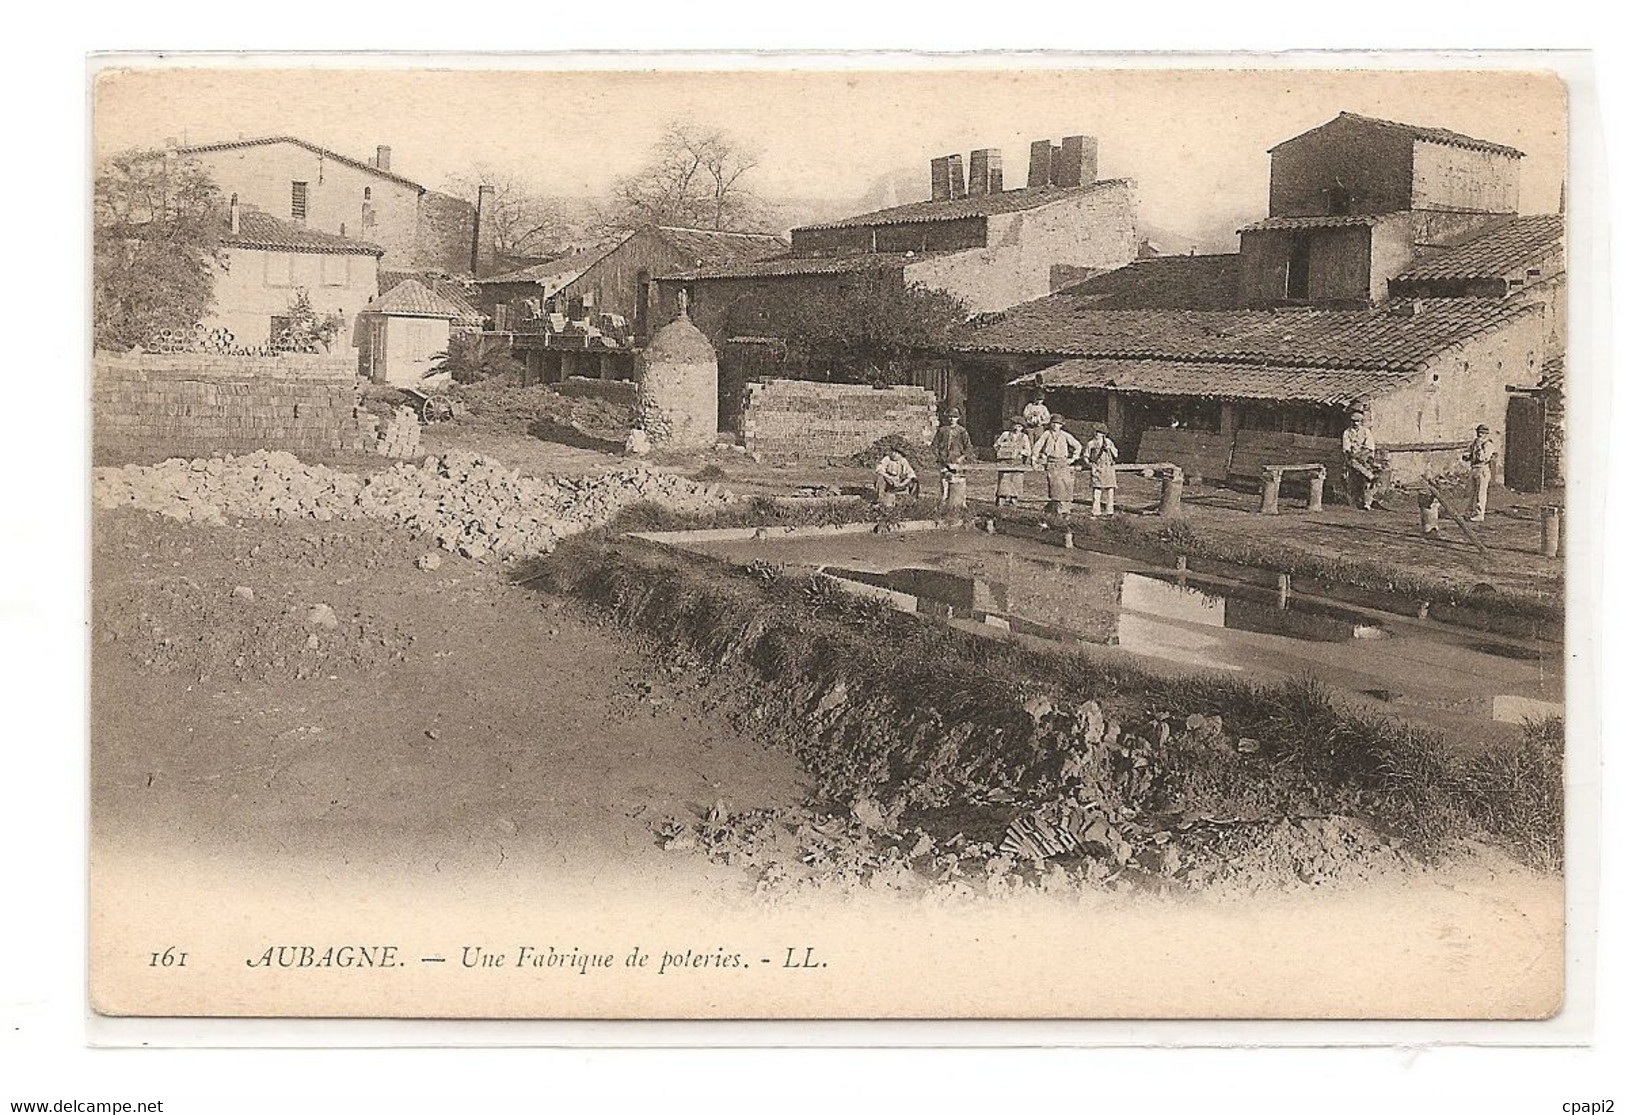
[404, 330]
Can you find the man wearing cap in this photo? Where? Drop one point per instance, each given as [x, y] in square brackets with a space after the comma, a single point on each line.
[952, 447]
[1480, 458]
[1035, 414]
[1360, 458]
[1056, 451]
[1101, 456]
[1014, 453]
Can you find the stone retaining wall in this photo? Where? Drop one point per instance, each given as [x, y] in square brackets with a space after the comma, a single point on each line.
[791, 417]
[154, 405]
[623, 392]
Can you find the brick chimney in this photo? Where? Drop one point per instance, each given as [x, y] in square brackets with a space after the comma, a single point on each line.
[956, 176]
[1076, 164]
[1040, 163]
[995, 171]
[941, 190]
[483, 253]
[982, 164]
[382, 161]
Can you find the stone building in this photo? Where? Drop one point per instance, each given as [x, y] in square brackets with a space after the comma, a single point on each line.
[1392, 269]
[1202, 387]
[989, 247]
[1355, 201]
[588, 314]
[268, 262]
[402, 333]
[298, 181]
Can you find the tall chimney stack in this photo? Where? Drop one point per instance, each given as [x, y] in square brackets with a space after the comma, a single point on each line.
[483, 254]
[1076, 163]
[382, 161]
[995, 171]
[236, 220]
[940, 188]
[977, 186]
[1040, 164]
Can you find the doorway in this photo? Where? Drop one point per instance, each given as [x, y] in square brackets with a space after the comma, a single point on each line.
[1523, 462]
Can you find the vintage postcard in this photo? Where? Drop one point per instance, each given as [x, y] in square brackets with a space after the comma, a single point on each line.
[623, 541]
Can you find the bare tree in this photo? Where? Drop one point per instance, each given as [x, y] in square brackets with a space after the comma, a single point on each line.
[523, 223]
[694, 179]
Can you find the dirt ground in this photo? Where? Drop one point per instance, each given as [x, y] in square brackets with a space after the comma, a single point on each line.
[444, 721]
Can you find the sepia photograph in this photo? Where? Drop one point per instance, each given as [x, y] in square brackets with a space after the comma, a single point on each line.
[858, 541]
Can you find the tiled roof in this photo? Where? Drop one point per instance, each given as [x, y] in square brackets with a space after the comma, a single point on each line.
[448, 289]
[1323, 386]
[985, 205]
[263, 232]
[709, 248]
[1382, 339]
[200, 148]
[1206, 282]
[809, 265]
[1503, 251]
[1416, 132]
[412, 299]
[1342, 220]
[553, 272]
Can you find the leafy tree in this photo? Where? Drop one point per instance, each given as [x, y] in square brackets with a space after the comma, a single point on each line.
[864, 330]
[307, 330]
[523, 223]
[155, 238]
[694, 179]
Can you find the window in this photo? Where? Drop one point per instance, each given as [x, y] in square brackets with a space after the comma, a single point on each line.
[335, 270]
[301, 191]
[278, 269]
[1297, 269]
[1338, 200]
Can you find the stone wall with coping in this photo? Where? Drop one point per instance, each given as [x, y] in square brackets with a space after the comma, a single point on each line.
[148, 406]
[799, 418]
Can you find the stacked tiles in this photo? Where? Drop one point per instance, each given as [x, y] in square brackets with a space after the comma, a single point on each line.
[199, 404]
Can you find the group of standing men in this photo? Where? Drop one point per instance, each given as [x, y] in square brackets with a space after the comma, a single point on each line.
[1037, 440]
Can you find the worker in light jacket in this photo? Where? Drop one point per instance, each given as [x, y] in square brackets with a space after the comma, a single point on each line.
[1101, 457]
[895, 478]
[1014, 453]
[1360, 463]
[1480, 458]
[1057, 452]
[952, 448]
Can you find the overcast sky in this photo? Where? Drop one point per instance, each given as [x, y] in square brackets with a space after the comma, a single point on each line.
[1194, 140]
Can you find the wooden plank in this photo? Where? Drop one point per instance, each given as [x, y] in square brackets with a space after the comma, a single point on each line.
[1451, 511]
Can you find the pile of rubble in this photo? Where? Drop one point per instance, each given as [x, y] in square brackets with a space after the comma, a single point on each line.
[469, 504]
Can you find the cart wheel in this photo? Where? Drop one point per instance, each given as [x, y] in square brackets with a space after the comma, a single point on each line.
[436, 408]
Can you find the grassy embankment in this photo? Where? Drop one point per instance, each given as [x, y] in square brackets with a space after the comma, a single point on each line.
[908, 712]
